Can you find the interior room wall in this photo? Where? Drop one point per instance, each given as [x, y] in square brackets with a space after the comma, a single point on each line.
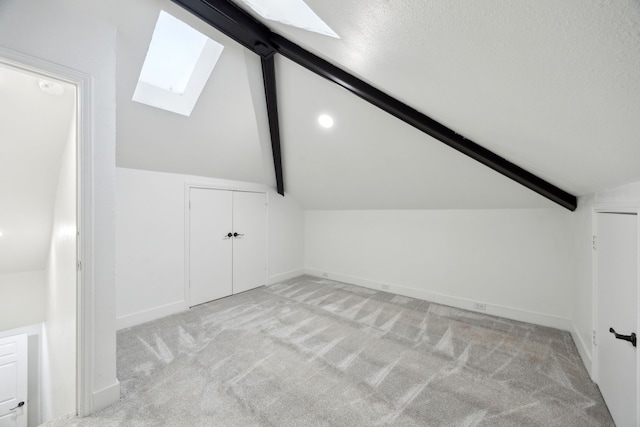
[48, 30]
[150, 245]
[582, 293]
[286, 238]
[59, 329]
[22, 302]
[515, 262]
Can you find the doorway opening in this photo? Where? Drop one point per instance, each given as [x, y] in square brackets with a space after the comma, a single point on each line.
[41, 220]
[616, 362]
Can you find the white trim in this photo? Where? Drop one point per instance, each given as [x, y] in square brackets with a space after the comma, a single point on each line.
[159, 48]
[84, 170]
[140, 317]
[231, 186]
[583, 349]
[31, 330]
[594, 298]
[267, 237]
[286, 276]
[148, 315]
[106, 396]
[85, 295]
[624, 207]
[542, 319]
[187, 245]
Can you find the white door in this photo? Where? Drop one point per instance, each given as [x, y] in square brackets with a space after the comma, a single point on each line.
[13, 381]
[250, 241]
[210, 245]
[617, 281]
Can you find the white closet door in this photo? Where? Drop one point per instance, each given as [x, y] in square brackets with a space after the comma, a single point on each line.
[210, 247]
[13, 381]
[617, 276]
[250, 245]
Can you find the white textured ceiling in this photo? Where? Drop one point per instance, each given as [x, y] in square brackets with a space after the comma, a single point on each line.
[371, 160]
[553, 86]
[34, 127]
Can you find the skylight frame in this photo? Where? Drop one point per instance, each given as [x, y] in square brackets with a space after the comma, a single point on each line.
[295, 13]
[180, 94]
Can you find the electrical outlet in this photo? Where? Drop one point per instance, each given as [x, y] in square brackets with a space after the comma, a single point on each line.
[480, 306]
[385, 287]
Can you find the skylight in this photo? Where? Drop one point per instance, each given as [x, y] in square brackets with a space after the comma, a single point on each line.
[291, 12]
[178, 64]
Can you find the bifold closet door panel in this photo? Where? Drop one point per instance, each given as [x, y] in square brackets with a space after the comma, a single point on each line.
[210, 247]
[250, 245]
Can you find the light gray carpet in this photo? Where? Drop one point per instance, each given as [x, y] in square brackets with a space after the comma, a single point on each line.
[312, 352]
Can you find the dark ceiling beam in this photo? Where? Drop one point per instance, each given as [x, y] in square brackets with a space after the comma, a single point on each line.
[246, 30]
[242, 27]
[269, 77]
[232, 21]
[421, 122]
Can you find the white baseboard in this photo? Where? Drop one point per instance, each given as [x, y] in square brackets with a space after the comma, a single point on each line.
[467, 304]
[106, 396]
[151, 314]
[154, 313]
[583, 349]
[286, 276]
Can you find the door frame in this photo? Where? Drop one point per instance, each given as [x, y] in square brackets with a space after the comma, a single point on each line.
[84, 216]
[613, 208]
[248, 188]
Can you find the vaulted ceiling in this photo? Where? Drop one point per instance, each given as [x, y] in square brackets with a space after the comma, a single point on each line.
[552, 86]
[35, 127]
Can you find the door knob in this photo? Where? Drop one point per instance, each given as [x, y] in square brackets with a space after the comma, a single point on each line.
[238, 234]
[631, 338]
[19, 405]
[229, 235]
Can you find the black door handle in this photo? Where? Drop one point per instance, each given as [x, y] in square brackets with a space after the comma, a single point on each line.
[631, 338]
[19, 405]
[229, 235]
[238, 234]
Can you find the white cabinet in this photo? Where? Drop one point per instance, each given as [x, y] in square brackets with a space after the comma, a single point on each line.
[227, 243]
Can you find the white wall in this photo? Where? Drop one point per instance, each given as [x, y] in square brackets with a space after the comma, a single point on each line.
[59, 331]
[514, 261]
[22, 302]
[150, 244]
[52, 31]
[286, 238]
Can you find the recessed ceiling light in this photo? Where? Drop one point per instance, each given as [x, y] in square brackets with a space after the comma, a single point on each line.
[52, 88]
[325, 121]
[1, 234]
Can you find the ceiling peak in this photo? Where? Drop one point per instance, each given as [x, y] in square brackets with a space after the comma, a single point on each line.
[246, 30]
